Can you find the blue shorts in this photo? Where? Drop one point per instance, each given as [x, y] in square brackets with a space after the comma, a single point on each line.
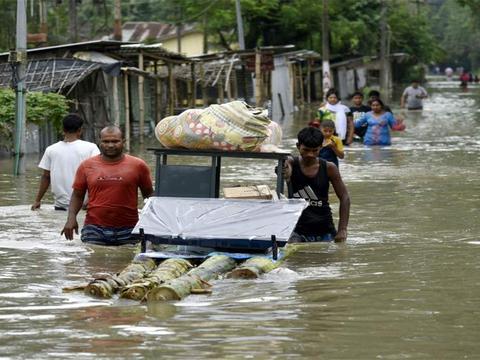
[109, 236]
[297, 238]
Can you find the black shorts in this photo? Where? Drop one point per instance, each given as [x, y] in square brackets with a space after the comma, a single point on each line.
[109, 236]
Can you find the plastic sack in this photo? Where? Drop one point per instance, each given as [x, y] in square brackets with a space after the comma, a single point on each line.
[233, 126]
[274, 134]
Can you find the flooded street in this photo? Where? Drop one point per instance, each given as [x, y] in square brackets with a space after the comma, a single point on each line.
[404, 286]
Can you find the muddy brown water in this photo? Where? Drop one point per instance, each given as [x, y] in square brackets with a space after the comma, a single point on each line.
[404, 286]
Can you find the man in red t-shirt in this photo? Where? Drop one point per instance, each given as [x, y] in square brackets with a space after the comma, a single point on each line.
[112, 180]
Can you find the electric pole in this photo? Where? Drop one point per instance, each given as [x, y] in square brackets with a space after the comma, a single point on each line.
[383, 58]
[72, 15]
[117, 25]
[241, 37]
[327, 82]
[179, 27]
[19, 58]
[43, 16]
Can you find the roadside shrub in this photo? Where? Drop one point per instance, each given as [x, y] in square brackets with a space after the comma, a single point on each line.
[41, 108]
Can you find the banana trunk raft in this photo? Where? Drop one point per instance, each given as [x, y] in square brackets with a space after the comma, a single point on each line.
[107, 286]
[176, 278]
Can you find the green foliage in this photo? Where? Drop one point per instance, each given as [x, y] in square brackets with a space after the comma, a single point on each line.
[7, 19]
[473, 6]
[354, 24]
[41, 107]
[412, 34]
[7, 113]
[457, 30]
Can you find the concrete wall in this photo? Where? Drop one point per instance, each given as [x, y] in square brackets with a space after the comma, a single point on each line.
[192, 44]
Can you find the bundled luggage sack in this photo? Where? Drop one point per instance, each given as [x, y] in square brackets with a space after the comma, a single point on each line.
[234, 126]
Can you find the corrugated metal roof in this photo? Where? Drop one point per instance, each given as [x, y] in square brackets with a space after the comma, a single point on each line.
[152, 51]
[140, 31]
[247, 52]
[119, 48]
[94, 45]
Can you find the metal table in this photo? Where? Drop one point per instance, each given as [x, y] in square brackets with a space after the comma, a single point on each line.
[202, 181]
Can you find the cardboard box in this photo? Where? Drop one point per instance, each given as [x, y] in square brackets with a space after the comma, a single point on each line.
[249, 192]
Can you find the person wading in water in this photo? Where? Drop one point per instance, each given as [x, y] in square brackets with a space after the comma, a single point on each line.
[309, 178]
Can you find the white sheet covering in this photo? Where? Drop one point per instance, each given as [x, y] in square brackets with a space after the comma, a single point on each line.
[219, 218]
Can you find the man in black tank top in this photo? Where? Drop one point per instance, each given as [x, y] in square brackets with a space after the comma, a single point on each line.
[309, 177]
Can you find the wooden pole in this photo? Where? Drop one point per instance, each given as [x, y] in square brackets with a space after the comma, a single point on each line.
[221, 95]
[204, 85]
[193, 102]
[117, 22]
[170, 90]
[72, 17]
[205, 33]
[258, 77]
[291, 72]
[188, 100]
[127, 112]
[158, 102]
[235, 84]
[141, 99]
[43, 17]
[309, 81]
[116, 103]
[228, 85]
[158, 96]
[300, 83]
[268, 83]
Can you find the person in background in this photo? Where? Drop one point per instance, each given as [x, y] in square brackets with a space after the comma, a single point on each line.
[449, 73]
[340, 114]
[112, 180]
[359, 109]
[375, 95]
[309, 177]
[60, 162]
[378, 122]
[413, 96]
[464, 78]
[332, 146]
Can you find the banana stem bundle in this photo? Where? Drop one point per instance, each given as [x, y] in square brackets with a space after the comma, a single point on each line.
[106, 287]
[167, 270]
[196, 280]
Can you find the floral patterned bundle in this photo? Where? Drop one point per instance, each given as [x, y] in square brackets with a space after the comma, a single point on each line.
[233, 126]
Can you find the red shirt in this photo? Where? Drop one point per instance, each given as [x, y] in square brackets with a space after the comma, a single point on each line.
[112, 189]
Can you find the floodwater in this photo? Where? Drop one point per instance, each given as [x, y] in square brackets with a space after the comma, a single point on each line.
[406, 284]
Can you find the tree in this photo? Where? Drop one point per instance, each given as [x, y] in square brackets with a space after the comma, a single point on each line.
[457, 30]
[354, 24]
[8, 19]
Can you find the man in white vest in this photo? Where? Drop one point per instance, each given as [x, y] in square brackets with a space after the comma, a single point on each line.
[60, 162]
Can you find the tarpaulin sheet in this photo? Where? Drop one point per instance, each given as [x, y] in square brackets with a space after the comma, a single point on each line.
[219, 223]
